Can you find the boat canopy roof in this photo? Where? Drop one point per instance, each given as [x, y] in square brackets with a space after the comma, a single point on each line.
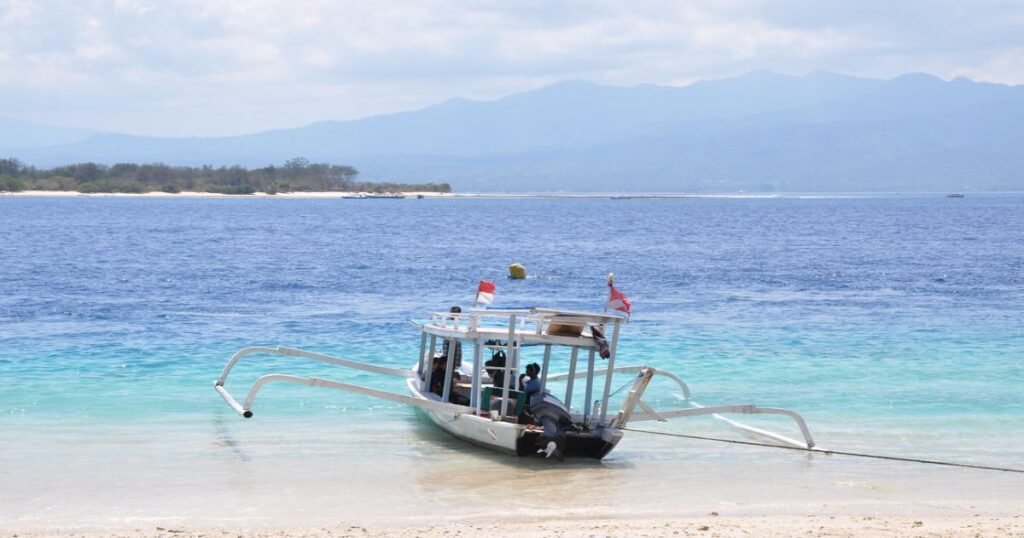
[533, 326]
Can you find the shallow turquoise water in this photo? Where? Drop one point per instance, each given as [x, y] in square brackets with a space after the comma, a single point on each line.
[891, 323]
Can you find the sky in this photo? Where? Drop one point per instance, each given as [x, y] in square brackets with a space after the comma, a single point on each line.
[220, 67]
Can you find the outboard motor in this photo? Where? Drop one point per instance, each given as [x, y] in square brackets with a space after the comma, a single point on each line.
[553, 415]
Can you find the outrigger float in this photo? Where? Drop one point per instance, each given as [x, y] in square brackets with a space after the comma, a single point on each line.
[495, 411]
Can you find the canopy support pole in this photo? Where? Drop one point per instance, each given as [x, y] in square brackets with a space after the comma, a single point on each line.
[544, 369]
[611, 370]
[449, 370]
[572, 377]
[590, 386]
[510, 357]
[423, 351]
[474, 395]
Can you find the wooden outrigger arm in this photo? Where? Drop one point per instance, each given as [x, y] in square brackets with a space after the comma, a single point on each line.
[745, 409]
[245, 409]
[293, 352]
[697, 409]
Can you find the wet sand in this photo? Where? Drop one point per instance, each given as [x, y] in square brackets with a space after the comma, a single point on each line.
[401, 478]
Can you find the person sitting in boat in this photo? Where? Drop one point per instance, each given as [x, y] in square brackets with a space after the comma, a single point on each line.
[437, 381]
[530, 381]
[457, 361]
[438, 375]
[496, 369]
[530, 384]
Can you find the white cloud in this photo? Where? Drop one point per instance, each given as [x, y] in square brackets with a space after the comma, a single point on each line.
[211, 67]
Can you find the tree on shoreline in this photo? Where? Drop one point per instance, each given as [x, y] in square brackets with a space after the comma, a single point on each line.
[296, 175]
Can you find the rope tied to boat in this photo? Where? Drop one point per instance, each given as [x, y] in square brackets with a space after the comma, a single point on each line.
[624, 385]
[833, 452]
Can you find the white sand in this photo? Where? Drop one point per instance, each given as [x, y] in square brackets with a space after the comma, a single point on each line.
[710, 526]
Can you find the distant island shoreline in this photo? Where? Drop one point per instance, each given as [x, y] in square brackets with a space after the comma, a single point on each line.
[325, 195]
[198, 194]
[297, 175]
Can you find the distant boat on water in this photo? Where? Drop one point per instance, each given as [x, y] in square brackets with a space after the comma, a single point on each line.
[954, 195]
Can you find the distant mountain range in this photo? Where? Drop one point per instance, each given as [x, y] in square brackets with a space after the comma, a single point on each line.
[758, 132]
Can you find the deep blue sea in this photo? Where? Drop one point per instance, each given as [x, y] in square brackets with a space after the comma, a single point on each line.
[892, 323]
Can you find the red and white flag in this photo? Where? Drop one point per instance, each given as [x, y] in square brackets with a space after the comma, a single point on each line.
[485, 292]
[616, 299]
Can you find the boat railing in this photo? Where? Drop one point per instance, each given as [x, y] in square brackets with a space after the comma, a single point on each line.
[534, 321]
[515, 328]
[477, 319]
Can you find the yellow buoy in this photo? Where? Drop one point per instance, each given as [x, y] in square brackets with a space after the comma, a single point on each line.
[516, 271]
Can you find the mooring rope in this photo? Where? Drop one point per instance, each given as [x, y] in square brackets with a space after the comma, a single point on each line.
[833, 452]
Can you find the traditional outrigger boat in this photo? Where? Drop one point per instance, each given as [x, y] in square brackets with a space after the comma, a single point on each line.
[494, 409]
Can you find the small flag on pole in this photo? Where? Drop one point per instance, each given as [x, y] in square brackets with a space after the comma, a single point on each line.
[485, 292]
[616, 299]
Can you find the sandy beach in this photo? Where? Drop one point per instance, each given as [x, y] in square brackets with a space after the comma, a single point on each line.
[711, 525]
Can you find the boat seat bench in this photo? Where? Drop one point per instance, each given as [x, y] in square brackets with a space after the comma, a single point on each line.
[520, 398]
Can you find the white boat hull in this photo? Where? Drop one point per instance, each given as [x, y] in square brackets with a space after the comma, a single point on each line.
[510, 438]
[499, 436]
